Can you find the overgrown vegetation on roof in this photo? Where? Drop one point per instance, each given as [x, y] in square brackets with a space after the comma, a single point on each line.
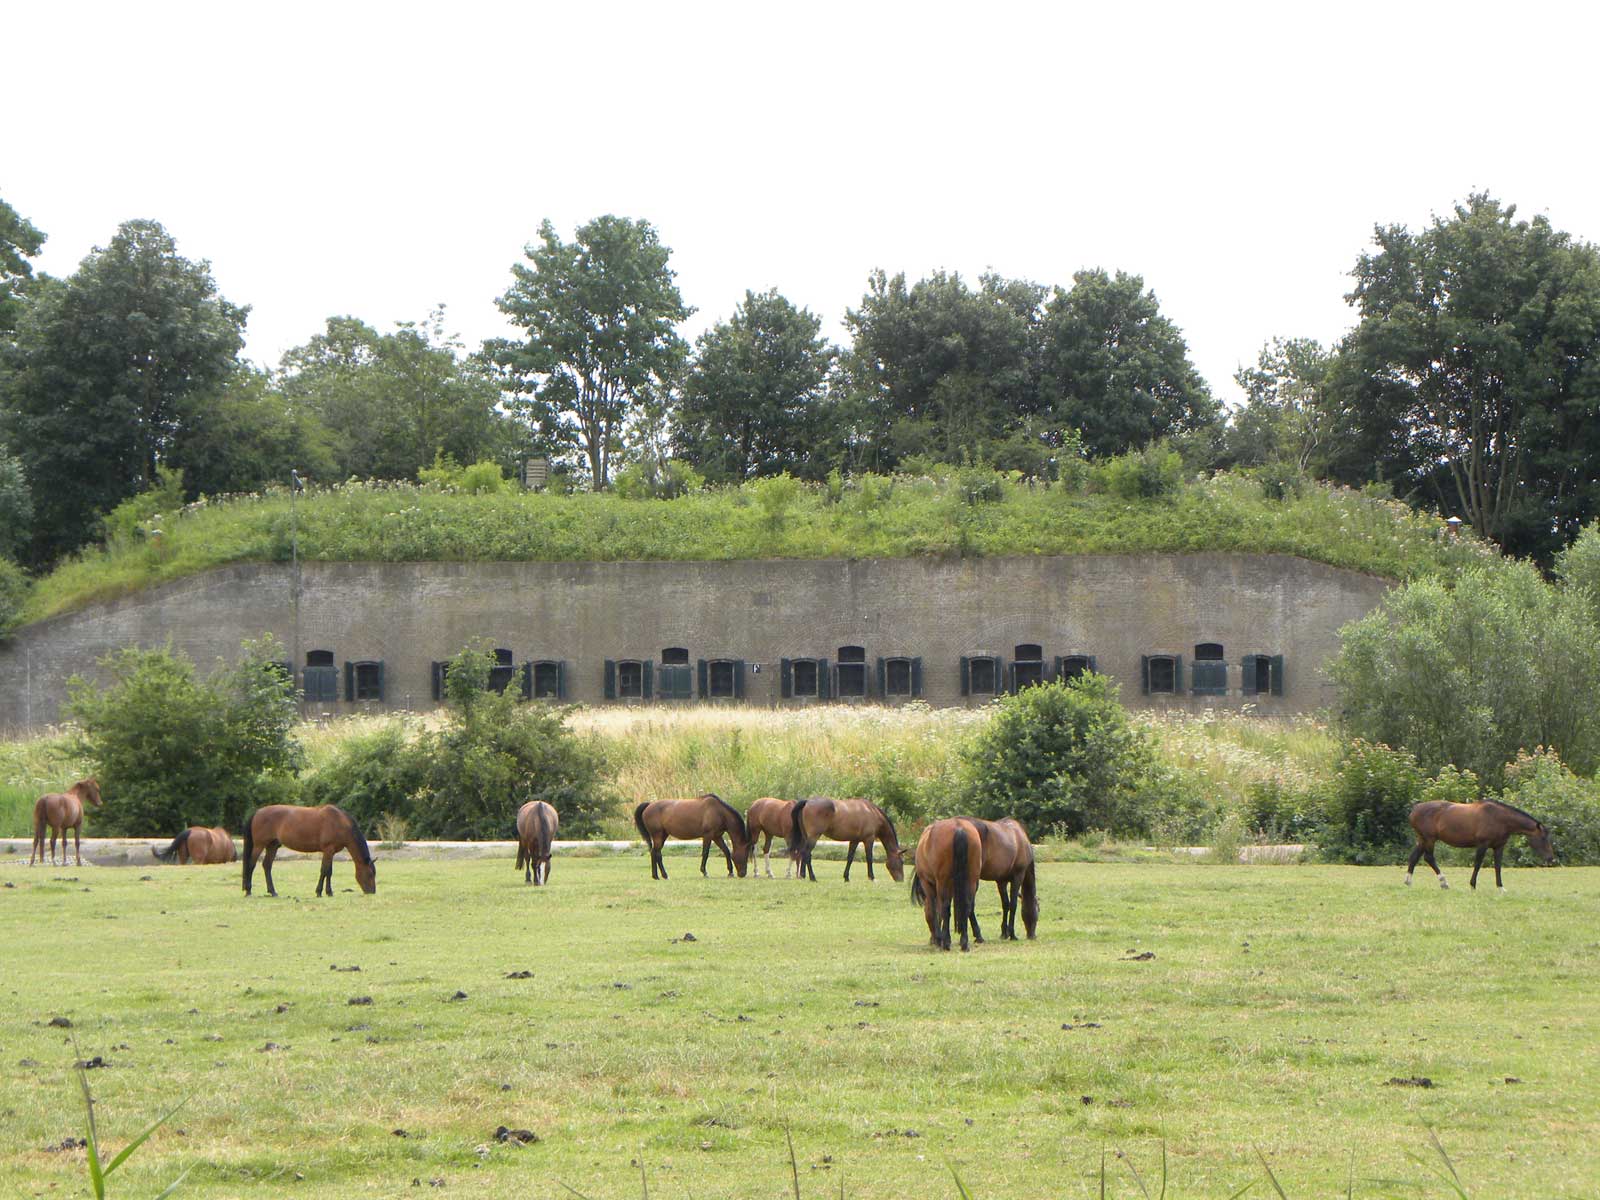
[961, 512]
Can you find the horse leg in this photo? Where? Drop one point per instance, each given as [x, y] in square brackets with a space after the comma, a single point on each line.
[1411, 863]
[726, 853]
[77, 848]
[870, 876]
[1427, 855]
[53, 847]
[705, 853]
[1477, 861]
[1498, 886]
[944, 919]
[850, 858]
[656, 844]
[266, 866]
[929, 915]
[766, 856]
[325, 880]
[1008, 926]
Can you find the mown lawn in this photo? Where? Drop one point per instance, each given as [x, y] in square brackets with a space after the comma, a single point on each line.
[1279, 1003]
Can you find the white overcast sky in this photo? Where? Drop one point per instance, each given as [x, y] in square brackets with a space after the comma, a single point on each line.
[377, 160]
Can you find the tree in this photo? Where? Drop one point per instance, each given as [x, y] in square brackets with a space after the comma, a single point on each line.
[1113, 367]
[107, 373]
[16, 505]
[1477, 346]
[1287, 416]
[19, 241]
[172, 750]
[249, 434]
[599, 312]
[939, 370]
[750, 402]
[392, 402]
[1469, 673]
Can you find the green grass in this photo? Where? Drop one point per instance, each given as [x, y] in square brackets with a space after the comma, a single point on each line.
[1278, 1005]
[881, 518]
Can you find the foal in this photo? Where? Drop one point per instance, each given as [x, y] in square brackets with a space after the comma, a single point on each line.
[62, 811]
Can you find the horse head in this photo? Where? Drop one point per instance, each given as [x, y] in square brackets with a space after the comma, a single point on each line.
[88, 789]
[895, 860]
[367, 876]
[1539, 839]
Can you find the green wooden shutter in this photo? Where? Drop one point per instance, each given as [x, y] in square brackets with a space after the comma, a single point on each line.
[916, 676]
[1089, 658]
[561, 680]
[883, 679]
[1144, 673]
[1061, 667]
[824, 680]
[1247, 675]
[1277, 674]
[611, 679]
[704, 672]
[527, 681]
[786, 678]
[966, 676]
[381, 691]
[648, 670]
[738, 679]
[1177, 674]
[438, 681]
[1010, 678]
[349, 680]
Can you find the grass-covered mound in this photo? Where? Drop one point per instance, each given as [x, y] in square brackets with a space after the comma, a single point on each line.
[970, 513]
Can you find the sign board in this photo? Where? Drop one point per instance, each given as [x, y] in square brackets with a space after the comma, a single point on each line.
[535, 473]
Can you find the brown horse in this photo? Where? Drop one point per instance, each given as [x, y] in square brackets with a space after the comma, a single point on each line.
[327, 830]
[1486, 825]
[1008, 860]
[771, 817]
[536, 828]
[854, 821]
[949, 861]
[200, 846]
[62, 811]
[709, 818]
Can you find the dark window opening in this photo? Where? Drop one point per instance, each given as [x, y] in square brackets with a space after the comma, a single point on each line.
[897, 677]
[503, 671]
[630, 680]
[1261, 675]
[675, 656]
[1029, 651]
[985, 679]
[1074, 665]
[1027, 670]
[721, 678]
[546, 681]
[804, 677]
[1209, 674]
[364, 681]
[852, 672]
[1208, 652]
[1161, 674]
[319, 658]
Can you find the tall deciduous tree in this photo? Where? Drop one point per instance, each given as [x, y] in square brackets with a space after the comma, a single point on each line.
[106, 374]
[16, 505]
[1115, 368]
[750, 402]
[1287, 415]
[249, 434]
[600, 314]
[19, 241]
[1479, 344]
[939, 369]
[392, 402]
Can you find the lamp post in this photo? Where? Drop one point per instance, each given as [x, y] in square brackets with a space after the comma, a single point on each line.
[295, 487]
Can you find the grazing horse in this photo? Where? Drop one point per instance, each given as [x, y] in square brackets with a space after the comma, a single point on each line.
[1486, 825]
[327, 829]
[1008, 860]
[949, 861]
[200, 846]
[536, 827]
[62, 811]
[854, 821]
[773, 818]
[709, 818]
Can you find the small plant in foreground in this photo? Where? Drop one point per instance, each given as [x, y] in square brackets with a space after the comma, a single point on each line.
[99, 1174]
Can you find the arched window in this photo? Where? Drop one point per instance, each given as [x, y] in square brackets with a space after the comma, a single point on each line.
[1073, 665]
[320, 679]
[1161, 674]
[982, 675]
[503, 671]
[673, 680]
[1210, 674]
[851, 673]
[1027, 667]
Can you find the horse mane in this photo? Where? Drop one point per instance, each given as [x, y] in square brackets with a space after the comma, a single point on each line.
[1516, 810]
[359, 838]
[887, 820]
[738, 819]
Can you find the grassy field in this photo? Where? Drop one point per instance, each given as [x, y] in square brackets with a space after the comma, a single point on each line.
[1277, 1007]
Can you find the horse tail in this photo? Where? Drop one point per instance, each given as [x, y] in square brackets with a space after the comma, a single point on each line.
[249, 845]
[797, 829]
[958, 878]
[171, 851]
[638, 821]
[543, 846]
[1030, 900]
[918, 896]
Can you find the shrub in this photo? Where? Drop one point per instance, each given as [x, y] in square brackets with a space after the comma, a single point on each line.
[171, 750]
[13, 594]
[775, 496]
[131, 519]
[1279, 812]
[1146, 474]
[657, 479]
[1060, 757]
[371, 776]
[1369, 804]
[1540, 784]
[1281, 480]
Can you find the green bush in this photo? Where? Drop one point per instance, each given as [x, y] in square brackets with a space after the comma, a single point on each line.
[1369, 805]
[371, 776]
[129, 521]
[171, 750]
[1541, 785]
[14, 587]
[495, 755]
[655, 479]
[1147, 474]
[1061, 757]
[1279, 812]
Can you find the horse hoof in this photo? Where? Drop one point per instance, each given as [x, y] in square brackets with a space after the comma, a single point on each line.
[1443, 883]
[1407, 881]
[1500, 891]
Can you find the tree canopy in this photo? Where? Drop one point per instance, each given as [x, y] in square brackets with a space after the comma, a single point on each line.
[19, 241]
[600, 314]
